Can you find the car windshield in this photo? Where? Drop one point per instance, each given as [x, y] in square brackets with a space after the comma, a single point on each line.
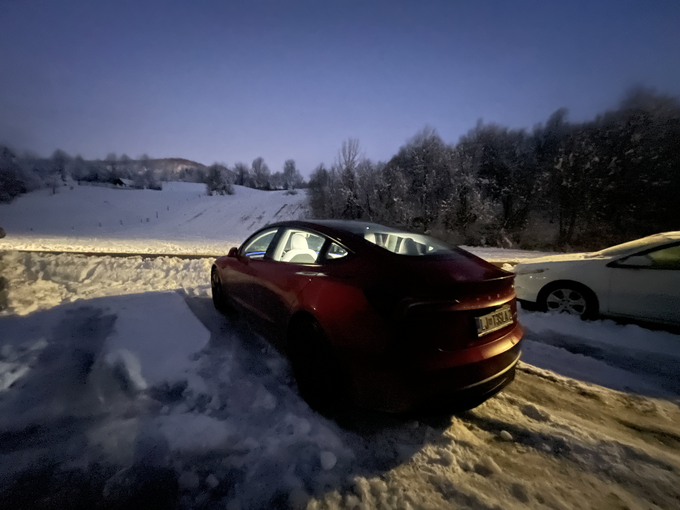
[398, 241]
[631, 246]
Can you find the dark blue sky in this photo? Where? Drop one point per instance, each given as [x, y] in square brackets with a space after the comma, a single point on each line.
[233, 80]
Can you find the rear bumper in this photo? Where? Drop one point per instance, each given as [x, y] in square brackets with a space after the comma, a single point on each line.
[439, 381]
[467, 385]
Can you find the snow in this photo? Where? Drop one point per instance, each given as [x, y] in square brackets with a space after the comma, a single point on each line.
[120, 384]
[181, 219]
[38, 281]
[624, 357]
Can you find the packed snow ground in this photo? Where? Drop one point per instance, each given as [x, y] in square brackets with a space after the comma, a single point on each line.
[120, 383]
[155, 395]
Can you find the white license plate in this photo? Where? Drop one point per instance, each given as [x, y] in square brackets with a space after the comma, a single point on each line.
[494, 321]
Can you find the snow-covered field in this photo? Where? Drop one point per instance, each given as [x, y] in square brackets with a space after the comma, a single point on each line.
[120, 385]
[181, 219]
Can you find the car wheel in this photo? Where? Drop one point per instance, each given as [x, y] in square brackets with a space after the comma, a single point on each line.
[218, 295]
[570, 298]
[318, 374]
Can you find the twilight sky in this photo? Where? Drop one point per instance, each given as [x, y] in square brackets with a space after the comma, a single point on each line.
[230, 81]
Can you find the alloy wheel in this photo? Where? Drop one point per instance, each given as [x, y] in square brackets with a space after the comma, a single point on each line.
[566, 300]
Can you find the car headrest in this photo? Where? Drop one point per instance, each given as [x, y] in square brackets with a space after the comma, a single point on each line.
[298, 242]
[408, 247]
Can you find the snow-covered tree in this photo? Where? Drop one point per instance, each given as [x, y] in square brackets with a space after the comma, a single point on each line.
[218, 180]
[291, 176]
[243, 174]
[12, 181]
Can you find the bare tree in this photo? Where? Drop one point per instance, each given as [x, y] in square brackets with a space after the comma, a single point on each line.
[291, 175]
[60, 161]
[243, 176]
[349, 154]
[219, 180]
[261, 173]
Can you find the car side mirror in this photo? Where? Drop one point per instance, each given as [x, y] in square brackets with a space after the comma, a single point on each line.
[233, 252]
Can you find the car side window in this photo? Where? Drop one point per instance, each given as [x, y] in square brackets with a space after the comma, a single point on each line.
[298, 246]
[257, 247]
[335, 251]
[665, 258]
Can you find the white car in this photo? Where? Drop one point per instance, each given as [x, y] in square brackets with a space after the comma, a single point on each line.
[638, 280]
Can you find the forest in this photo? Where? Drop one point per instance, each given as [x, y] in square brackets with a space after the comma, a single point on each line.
[562, 185]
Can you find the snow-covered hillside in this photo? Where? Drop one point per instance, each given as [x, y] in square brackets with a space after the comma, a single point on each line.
[180, 219]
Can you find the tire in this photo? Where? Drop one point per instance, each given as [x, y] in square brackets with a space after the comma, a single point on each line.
[569, 297]
[218, 295]
[320, 379]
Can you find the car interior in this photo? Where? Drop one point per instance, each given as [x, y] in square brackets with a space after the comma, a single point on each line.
[398, 244]
[298, 246]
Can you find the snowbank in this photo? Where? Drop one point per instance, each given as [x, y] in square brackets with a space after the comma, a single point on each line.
[35, 281]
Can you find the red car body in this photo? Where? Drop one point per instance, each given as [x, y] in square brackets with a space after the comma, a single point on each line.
[403, 325]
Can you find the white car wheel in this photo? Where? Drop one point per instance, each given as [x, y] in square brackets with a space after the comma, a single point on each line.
[573, 300]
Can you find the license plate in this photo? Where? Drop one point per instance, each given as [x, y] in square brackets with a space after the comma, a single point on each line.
[494, 321]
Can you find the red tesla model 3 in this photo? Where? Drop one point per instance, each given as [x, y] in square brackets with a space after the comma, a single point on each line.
[386, 319]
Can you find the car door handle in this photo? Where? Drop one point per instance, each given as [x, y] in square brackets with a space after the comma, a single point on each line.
[310, 273]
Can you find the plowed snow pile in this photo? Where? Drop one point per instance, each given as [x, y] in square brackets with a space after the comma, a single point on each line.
[35, 281]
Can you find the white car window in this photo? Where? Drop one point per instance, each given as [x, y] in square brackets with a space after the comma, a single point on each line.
[298, 246]
[666, 258]
[405, 243]
[257, 247]
[663, 258]
[335, 251]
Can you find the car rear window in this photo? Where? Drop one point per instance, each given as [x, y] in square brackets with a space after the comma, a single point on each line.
[395, 240]
[406, 243]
